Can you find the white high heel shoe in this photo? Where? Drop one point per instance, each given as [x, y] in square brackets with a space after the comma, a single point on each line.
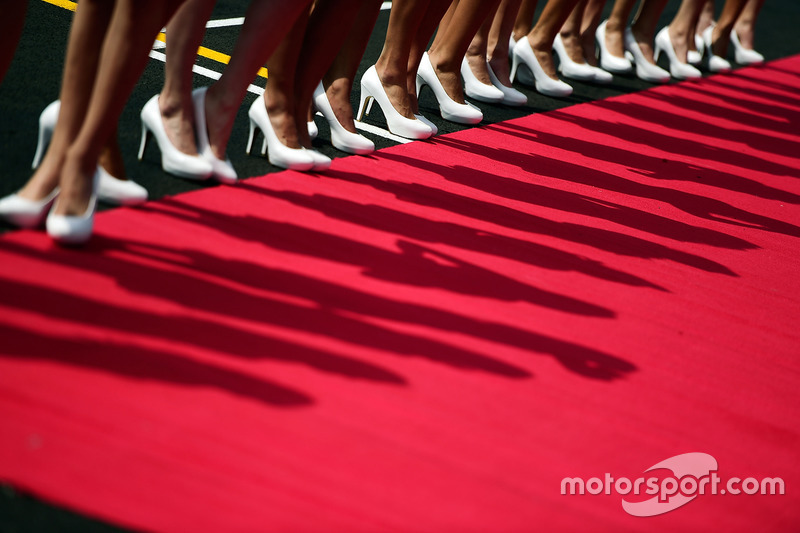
[715, 62]
[645, 70]
[677, 68]
[321, 161]
[511, 96]
[341, 139]
[744, 56]
[477, 90]
[523, 55]
[222, 170]
[449, 108]
[115, 191]
[74, 229]
[110, 190]
[372, 91]
[694, 57]
[568, 67]
[610, 63]
[524, 76]
[47, 123]
[280, 155]
[173, 161]
[431, 125]
[25, 213]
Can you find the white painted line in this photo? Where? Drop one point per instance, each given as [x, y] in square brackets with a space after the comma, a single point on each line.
[380, 132]
[222, 23]
[158, 45]
[207, 72]
[386, 5]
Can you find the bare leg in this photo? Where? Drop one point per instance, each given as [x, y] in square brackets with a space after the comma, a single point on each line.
[392, 65]
[279, 96]
[615, 28]
[111, 157]
[706, 18]
[436, 14]
[338, 81]
[498, 40]
[83, 53]
[11, 24]
[478, 50]
[721, 34]
[264, 27]
[123, 56]
[524, 21]
[644, 26]
[681, 29]
[331, 22]
[543, 34]
[571, 33]
[185, 32]
[592, 12]
[451, 43]
[745, 24]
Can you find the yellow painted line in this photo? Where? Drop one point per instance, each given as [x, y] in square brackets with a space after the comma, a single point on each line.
[66, 4]
[208, 53]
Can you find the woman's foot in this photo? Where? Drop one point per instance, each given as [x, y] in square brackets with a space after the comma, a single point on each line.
[543, 50]
[680, 43]
[477, 64]
[338, 93]
[177, 116]
[77, 187]
[645, 43]
[220, 114]
[450, 78]
[615, 38]
[398, 91]
[501, 68]
[588, 43]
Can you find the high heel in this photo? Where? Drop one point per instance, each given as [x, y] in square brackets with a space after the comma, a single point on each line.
[47, 123]
[677, 68]
[321, 161]
[524, 75]
[568, 67]
[610, 63]
[694, 57]
[110, 189]
[313, 130]
[372, 91]
[477, 90]
[77, 229]
[25, 213]
[449, 108]
[511, 96]
[341, 139]
[431, 125]
[280, 155]
[222, 170]
[645, 70]
[523, 55]
[715, 62]
[744, 56]
[173, 161]
[601, 76]
[115, 191]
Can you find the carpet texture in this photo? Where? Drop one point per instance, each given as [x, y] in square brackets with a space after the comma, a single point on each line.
[432, 337]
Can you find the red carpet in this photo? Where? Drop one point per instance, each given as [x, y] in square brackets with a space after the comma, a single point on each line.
[432, 338]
